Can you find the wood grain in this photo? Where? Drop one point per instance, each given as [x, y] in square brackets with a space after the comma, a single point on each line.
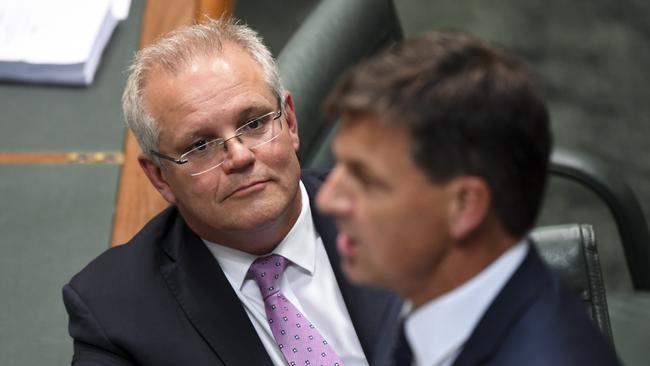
[214, 9]
[49, 158]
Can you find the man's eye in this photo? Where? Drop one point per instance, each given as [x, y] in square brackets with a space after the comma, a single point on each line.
[255, 124]
[258, 125]
[364, 180]
[199, 145]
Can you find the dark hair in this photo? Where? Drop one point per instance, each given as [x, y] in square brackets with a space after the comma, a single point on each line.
[471, 109]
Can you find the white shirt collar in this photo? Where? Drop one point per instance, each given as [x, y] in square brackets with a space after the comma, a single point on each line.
[235, 263]
[437, 330]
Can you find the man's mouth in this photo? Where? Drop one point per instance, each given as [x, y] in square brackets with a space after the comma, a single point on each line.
[346, 245]
[247, 189]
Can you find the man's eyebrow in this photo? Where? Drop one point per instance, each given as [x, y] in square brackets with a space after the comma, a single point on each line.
[358, 168]
[244, 115]
[252, 111]
[365, 173]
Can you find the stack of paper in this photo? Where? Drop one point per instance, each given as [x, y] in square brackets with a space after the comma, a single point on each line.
[60, 41]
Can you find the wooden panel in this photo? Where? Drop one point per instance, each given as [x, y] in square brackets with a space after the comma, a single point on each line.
[137, 200]
[61, 158]
[214, 9]
[163, 16]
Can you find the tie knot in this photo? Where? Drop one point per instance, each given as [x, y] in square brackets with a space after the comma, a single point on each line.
[266, 271]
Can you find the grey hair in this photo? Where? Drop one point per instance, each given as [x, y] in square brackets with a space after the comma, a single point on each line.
[174, 52]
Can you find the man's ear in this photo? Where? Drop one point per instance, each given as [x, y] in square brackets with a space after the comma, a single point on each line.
[470, 206]
[292, 121]
[154, 173]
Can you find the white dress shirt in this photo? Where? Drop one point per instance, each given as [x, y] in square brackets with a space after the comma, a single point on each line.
[438, 329]
[308, 282]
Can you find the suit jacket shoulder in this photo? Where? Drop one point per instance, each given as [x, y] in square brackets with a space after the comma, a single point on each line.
[162, 299]
[535, 321]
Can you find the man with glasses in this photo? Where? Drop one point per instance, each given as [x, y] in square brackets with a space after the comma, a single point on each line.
[442, 161]
[240, 269]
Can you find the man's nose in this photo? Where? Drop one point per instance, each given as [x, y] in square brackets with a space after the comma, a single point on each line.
[238, 155]
[332, 197]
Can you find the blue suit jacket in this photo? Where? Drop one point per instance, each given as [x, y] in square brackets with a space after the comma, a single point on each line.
[535, 321]
[162, 299]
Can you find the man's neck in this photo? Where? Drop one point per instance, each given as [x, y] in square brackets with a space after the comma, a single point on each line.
[463, 261]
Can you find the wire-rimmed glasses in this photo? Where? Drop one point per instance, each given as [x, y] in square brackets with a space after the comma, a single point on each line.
[211, 154]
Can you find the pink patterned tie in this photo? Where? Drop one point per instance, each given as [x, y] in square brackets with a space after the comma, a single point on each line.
[299, 341]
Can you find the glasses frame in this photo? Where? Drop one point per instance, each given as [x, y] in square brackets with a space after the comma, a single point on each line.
[221, 141]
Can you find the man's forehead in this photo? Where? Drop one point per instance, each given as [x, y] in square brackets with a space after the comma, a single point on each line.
[220, 58]
[372, 141]
[365, 136]
[370, 126]
[221, 70]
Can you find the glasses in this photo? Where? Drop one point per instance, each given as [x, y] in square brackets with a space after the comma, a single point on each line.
[209, 155]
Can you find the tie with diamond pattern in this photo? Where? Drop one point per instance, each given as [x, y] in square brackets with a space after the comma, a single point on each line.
[300, 342]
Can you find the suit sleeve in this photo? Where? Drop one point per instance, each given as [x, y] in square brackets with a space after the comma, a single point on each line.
[91, 345]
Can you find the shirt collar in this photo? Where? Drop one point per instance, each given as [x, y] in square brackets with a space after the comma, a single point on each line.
[439, 328]
[296, 247]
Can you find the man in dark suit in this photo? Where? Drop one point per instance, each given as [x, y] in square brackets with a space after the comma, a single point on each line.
[219, 138]
[442, 162]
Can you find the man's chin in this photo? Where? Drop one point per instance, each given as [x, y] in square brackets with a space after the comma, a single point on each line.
[261, 215]
[254, 222]
[355, 272]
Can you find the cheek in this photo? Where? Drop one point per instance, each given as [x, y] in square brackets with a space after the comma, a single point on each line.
[382, 228]
[200, 190]
[398, 236]
[278, 153]
[282, 163]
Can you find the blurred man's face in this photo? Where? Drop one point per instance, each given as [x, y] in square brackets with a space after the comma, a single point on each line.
[393, 220]
[253, 189]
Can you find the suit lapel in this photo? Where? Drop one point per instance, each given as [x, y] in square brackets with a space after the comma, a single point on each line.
[211, 305]
[374, 313]
[515, 297]
[209, 302]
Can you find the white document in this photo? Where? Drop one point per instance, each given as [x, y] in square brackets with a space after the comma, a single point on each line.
[56, 41]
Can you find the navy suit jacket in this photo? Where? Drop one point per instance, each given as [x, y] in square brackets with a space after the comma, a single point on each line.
[535, 321]
[162, 299]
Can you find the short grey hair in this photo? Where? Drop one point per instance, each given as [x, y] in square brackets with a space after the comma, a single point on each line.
[174, 52]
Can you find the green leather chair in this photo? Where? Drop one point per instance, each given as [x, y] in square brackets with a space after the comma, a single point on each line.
[629, 311]
[335, 35]
[571, 251]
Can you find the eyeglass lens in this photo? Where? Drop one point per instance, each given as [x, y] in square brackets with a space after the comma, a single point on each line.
[252, 135]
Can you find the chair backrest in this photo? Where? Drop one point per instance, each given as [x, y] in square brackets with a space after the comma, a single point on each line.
[337, 34]
[571, 251]
[622, 203]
